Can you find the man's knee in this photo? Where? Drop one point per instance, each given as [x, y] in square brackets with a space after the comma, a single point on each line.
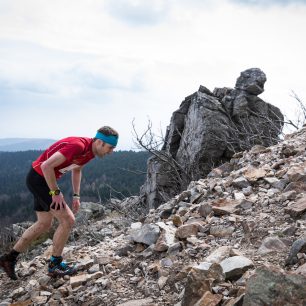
[44, 226]
[68, 221]
[71, 221]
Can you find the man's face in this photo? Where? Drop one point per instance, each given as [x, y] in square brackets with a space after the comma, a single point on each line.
[102, 148]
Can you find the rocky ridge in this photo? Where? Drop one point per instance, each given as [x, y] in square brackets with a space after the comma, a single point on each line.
[236, 237]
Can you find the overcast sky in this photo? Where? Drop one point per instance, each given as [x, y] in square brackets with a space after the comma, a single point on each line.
[68, 67]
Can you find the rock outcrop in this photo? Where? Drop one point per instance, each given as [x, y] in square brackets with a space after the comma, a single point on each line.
[206, 130]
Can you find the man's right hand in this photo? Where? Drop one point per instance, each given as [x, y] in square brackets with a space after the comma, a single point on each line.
[58, 202]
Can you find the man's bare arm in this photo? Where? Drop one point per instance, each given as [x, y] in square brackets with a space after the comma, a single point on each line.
[76, 176]
[48, 166]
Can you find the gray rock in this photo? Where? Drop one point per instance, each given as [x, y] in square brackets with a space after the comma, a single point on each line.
[174, 249]
[162, 281]
[271, 180]
[273, 287]
[222, 231]
[183, 204]
[166, 210]
[245, 204]
[298, 208]
[241, 182]
[271, 244]
[166, 262]
[219, 254]
[281, 184]
[195, 196]
[297, 247]
[234, 267]
[247, 191]
[289, 195]
[299, 187]
[89, 210]
[252, 81]
[204, 266]
[85, 264]
[78, 280]
[17, 293]
[239, 196]
[94, 269]
[104, 282]
[44, 280]
[148, 251]
[289, 231]
[205, 209]
[148, 234]
[301, 270]
[136, 225]
[166, 238]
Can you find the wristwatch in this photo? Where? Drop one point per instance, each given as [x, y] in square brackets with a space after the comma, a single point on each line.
[54, 192]
[76, 196]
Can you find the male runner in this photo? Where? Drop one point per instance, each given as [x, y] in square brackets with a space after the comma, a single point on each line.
[68, 154]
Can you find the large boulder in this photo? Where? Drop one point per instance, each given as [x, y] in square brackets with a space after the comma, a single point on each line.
[271, 286]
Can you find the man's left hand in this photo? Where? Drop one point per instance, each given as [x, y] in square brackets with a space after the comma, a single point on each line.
[75, 205]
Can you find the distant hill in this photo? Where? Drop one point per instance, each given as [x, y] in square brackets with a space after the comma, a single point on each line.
[24, 144]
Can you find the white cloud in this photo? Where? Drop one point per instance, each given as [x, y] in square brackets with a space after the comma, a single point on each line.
[99, 62]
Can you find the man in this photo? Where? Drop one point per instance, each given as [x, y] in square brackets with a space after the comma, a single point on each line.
[68, 154]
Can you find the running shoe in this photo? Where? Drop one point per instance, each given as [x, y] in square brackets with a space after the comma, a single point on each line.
[61, 269]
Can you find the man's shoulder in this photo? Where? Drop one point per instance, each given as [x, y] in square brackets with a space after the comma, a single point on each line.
[75, 140]
[74, 143]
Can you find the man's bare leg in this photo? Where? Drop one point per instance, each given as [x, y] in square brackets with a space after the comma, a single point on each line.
[42, 225]
[8, 261]
[66, 221]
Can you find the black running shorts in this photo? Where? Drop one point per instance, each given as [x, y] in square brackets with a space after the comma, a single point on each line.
[40, 190]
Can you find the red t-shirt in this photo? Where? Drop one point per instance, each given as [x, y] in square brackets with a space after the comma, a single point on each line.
[77, 150]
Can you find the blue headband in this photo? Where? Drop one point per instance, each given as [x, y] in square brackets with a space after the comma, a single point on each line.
[110, 139]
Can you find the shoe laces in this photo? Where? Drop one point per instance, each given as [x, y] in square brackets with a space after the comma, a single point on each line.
[64, 265]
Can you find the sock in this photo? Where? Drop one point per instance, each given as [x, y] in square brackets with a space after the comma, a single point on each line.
[55, 260]
[13, 255]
